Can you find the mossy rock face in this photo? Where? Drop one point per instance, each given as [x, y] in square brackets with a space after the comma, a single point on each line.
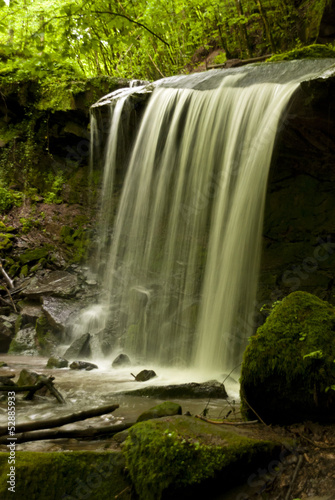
[66, 475]
[166, 455]
[288, 370]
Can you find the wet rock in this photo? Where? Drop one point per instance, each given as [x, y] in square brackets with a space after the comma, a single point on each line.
[79, 347]
[121, 360]
[58, 311]
[56, 283]
[30, 311]
[6, 335]
[82, 365]
[11, 318]
[24, 342]
[29, 377]
[166, 409]
[144, 375]
[192, 390]
[7, 381]
[57, 362]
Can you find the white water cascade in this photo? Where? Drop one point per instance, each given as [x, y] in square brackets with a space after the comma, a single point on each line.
[181, 275]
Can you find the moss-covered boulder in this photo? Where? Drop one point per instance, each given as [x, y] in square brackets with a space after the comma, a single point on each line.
[288, 370]
[66, 475]
[165, 409]
[167, 455]
[57, 362]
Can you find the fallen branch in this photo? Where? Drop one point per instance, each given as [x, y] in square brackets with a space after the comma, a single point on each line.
[90, 433]
[7, 278]
[11, 300]
[5, 302]
[58, 422]
[47, 381]
[299, 464]
[322, 447]
[31, 389]
[235, 63]
[260, 418]
[226, 422]
[23, 388]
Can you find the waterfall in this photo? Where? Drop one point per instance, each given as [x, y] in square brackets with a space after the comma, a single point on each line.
[180, 278]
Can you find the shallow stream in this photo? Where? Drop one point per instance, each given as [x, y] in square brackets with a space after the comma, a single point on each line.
[83, 390]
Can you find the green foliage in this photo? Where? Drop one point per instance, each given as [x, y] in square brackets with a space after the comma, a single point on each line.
[144, 39]
[27, 224]
[220, 58]
[8, 199]
[56, 181]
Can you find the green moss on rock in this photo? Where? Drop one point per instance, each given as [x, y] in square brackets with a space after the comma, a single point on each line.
[289, 366]
[33, 255]
[315, 51]
[66, 475]
[162, 410]
[176, 452]
[6, 241]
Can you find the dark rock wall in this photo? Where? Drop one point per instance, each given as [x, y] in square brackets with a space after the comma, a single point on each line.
[299, 225]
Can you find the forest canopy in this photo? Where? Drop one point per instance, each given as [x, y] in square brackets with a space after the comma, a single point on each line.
[148, 38]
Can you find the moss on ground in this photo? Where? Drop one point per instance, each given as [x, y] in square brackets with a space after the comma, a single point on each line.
[288, 369]
[176, 452]
[66, 475]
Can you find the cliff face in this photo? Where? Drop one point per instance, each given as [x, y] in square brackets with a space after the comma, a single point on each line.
[299, 227]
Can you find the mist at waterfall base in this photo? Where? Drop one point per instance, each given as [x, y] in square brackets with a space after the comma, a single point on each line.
[179, 268]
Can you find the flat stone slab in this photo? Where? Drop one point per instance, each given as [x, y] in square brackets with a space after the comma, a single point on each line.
[56, 283]
[211, 389]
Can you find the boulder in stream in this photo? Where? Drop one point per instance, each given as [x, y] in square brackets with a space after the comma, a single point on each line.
[144, 375]
[82, 365]
[79, 347]
[29, 377]
[121, 360]
[57, 362]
